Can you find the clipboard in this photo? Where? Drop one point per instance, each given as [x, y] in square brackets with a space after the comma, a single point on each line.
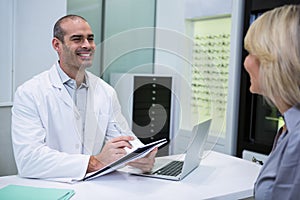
[136, 154]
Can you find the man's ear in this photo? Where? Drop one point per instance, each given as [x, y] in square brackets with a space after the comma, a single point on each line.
[56, 44]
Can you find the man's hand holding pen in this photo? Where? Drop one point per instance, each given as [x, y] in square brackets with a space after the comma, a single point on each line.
[112, 151]
[118, 147]
[146, 163]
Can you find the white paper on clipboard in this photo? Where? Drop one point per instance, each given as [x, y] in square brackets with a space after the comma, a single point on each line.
[136, 154]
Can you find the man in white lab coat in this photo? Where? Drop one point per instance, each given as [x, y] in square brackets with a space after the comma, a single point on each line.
[67, 122]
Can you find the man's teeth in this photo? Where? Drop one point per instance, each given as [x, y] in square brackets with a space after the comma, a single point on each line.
[84, 54]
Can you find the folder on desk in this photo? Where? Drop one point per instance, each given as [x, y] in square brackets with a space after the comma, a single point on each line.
[136, 154]
[34, 193]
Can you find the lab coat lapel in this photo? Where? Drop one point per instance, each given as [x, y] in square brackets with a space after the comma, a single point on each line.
[66, 98]
[61, 90]
[93, 136]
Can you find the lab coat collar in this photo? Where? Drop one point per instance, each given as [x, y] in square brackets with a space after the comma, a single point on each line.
[57, 83]
[91, 123]
[94, 138]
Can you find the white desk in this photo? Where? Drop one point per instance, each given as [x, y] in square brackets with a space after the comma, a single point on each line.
[218, 177]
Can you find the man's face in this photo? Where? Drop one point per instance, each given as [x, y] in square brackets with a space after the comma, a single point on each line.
[78, 48]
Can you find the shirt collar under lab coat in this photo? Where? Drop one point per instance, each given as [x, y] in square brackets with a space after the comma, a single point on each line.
[69, 81]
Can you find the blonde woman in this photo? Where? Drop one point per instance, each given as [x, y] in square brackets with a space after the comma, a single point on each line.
[273, 63]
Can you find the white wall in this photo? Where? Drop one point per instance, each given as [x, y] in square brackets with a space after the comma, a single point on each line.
[170, 55]
[27, 51]
[6, 61]
[174, 56]
[202, 8]
[174, 46]
[33, 24]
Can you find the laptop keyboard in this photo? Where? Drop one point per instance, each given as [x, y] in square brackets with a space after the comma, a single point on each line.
[172, 169]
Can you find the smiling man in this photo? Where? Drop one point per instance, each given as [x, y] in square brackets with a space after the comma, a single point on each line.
[66, 122]
[75, 46]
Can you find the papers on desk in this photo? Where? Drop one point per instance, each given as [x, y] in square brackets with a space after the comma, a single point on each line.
[137, 153]
[34, 193]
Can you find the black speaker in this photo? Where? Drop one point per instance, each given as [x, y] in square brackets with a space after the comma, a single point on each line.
[151, 109]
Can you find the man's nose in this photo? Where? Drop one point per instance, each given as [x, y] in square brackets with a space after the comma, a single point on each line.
[86, 43]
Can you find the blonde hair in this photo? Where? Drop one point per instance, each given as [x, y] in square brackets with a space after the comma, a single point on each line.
[274, 38]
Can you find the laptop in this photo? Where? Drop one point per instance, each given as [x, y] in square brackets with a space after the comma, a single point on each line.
[179, 167]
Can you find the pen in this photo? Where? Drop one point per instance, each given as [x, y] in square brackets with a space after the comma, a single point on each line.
[134, 143]
[119, 130]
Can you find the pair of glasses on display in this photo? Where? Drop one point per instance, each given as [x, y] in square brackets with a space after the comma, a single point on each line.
[213, 36]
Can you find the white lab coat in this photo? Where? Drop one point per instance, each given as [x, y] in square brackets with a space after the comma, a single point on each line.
[46, 139]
